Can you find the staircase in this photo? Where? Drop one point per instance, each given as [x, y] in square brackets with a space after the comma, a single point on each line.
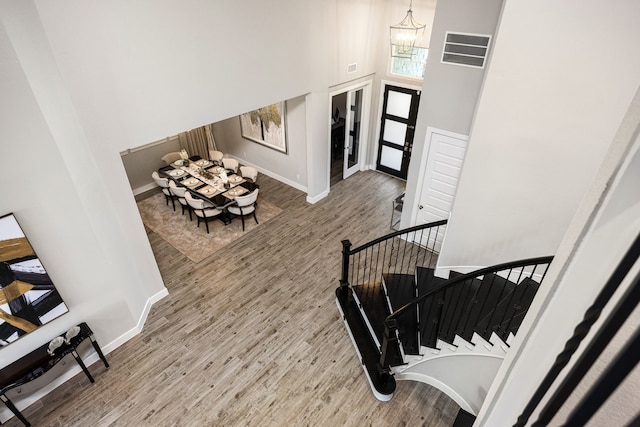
[407, 323]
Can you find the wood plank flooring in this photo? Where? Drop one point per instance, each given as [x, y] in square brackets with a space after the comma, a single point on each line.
[253, 337]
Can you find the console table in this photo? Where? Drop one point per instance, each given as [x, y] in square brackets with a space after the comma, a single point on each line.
[39, 361]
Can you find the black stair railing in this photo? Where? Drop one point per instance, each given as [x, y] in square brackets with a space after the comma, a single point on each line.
[486, 301]
[400, 252]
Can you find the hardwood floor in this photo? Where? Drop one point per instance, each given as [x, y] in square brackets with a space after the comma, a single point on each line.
[253, 337]
[336, 171]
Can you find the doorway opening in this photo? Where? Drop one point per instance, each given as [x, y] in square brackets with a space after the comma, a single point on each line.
[349, 131]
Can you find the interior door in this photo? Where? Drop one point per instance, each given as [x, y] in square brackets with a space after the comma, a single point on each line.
[444, 162]
[352, 133]
[397, 128]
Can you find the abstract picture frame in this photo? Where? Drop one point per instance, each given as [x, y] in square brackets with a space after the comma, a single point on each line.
[28, 297]
[266, 126]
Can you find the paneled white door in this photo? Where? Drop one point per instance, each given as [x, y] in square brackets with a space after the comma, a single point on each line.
[444, 162]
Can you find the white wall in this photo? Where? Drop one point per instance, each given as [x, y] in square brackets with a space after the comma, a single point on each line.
[141, 71]
[450, 92]
[606, 223]
[103, 268]
[288, 167]
[551, 103]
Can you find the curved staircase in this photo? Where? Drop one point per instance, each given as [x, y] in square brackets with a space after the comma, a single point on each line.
[407, 323]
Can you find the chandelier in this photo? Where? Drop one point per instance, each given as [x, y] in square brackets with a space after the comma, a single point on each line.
[404, 35]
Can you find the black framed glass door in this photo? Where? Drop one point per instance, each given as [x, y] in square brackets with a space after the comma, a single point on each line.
[397, 129]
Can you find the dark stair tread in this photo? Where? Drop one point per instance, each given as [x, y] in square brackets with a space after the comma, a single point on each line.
[509, 313]
[384, 384]
[374, 305]
[464, 419]
[400, 290]
[448, 322]
[430, 311]
[446, 311]
[427, 280]
[492, 291]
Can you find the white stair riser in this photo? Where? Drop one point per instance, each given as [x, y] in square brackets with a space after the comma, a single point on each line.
[463, 377]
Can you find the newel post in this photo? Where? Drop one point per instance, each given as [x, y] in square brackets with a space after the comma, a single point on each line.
[344, 279]
[390, 328]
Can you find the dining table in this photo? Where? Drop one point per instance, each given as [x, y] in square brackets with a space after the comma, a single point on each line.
[205, 179]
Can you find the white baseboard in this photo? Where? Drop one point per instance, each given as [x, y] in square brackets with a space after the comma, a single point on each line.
[317, 198]
[73, 368]
[271, 174]
[144, 188]
[109, 347]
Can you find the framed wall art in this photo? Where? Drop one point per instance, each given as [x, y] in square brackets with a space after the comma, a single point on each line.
[266, 126]
[28, 298]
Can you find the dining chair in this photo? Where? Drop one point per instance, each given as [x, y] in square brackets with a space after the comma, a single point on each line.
[249, 172]
[216, 156]
[203, 209]
[245, 205]
[179, 192]
[163, 183]
[231, 164]
[171, 157]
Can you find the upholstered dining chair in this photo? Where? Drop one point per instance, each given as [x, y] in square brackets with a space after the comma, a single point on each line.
[203, 209]
[163, 183]
[245, 205]
[249, 172]
[216, 156]
[171, 157]
[179, 192]
[231, 164]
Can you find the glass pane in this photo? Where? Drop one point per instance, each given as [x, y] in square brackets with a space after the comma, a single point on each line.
[412, 67]
[398, 104]
[391, 158]
[354, 138]
[394, 132]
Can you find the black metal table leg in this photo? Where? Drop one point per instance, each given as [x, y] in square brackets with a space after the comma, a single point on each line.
[13, 409]
[99, 351]
[82, 365]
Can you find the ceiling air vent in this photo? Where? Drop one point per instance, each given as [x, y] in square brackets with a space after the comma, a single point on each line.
[469, 50]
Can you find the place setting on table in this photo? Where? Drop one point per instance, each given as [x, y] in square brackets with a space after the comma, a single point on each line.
[208, 180]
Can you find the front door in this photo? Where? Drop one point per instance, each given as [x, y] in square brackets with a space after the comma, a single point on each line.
[352, 133]
[399, 115]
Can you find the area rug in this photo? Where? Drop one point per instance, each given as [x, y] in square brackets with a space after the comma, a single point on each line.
[192, 241]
